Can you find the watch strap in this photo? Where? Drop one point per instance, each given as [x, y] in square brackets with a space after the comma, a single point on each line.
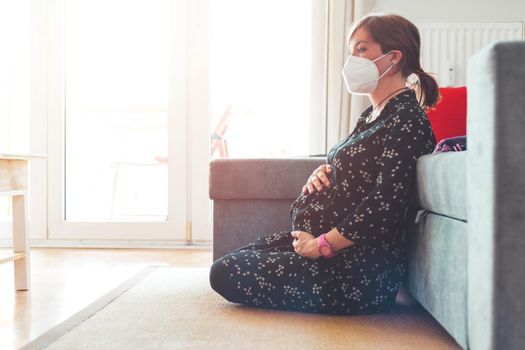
[324, 243]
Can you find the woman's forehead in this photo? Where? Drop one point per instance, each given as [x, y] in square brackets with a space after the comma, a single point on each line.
[361, 35]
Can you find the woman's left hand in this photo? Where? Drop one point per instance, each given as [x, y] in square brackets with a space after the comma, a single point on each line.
[305, 244]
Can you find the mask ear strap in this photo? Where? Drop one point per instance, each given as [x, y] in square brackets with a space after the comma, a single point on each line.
[383, 55]
[389, 68]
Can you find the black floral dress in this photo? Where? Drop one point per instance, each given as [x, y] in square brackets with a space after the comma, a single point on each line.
[373, 169]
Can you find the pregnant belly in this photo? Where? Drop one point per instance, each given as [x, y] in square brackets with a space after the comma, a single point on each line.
[314, 212]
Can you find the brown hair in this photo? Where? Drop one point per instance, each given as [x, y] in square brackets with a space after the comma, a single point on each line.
[394, 32]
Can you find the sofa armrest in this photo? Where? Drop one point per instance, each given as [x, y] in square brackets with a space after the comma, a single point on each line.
[496, 193]
[275, 178]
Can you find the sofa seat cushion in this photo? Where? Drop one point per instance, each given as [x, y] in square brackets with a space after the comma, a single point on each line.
[441, 184]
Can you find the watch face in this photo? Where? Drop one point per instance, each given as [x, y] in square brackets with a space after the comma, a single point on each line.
[325, 250]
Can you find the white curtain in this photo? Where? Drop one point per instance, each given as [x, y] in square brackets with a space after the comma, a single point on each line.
[343, 109]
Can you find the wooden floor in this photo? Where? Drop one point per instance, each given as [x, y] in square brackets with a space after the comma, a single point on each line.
[64, 281]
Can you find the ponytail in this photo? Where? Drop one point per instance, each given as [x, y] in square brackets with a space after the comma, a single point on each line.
[429, 90]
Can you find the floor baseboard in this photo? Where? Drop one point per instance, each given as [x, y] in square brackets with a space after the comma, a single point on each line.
[62, 243]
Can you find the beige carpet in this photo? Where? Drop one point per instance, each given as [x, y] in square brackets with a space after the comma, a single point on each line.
[175, 308]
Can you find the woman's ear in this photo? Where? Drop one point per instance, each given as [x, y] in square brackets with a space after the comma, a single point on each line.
[397, 56]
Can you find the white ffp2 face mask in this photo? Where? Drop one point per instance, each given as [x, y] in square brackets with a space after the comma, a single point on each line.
[361, 75]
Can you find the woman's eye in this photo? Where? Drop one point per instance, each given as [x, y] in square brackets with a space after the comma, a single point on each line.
[361, 49]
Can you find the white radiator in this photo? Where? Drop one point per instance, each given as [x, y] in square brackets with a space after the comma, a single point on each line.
[447, 46]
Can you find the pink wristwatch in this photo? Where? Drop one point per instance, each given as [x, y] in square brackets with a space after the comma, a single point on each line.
[325, 249]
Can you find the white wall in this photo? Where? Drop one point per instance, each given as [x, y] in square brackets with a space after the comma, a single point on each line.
[454, 10]
[446, 56]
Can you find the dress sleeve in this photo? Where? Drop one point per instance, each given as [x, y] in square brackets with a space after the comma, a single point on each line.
[381, 209]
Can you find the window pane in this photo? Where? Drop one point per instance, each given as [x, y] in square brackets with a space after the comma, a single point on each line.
[15, 96]
[261, 73]
[117, 69]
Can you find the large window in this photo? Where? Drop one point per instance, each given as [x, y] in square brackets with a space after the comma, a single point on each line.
[15, 54]
[261, 75]
[143, 94]
[117, 78]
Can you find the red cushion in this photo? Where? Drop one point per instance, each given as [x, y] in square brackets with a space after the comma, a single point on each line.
[449, 117]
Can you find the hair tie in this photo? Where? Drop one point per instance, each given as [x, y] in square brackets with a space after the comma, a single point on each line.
[412, 79]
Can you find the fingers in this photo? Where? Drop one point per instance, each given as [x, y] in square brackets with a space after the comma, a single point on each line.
[311, 186]
[297, 247]
[317, 183]
[325, 168]
[295, 234]
[308, 188]
[324, 179]
[302, 244]
[318, 179]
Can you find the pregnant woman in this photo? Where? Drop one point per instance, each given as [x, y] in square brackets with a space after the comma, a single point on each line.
[345, 252]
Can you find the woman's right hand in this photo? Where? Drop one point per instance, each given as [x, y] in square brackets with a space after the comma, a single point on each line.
[318, 179]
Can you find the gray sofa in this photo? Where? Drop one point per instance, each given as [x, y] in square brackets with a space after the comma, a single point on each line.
[465, 239]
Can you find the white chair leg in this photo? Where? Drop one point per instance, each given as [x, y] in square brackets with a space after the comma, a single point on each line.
[21, 242]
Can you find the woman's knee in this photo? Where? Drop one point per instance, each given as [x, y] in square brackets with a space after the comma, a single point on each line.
[217, 275]
[220, 282]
